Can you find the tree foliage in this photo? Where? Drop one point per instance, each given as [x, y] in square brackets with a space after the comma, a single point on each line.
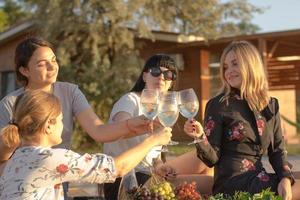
[95, 38]
[12, 12]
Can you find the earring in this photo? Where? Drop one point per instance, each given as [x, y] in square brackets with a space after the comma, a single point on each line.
[48, 131]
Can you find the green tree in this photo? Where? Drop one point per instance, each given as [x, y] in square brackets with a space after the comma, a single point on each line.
[95, 39]
[12, 12]
[3, 20]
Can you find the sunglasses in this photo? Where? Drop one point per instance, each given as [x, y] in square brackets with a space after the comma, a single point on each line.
[169, 75]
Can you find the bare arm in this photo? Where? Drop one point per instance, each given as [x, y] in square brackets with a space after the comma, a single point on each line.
[100, 132]
[129, 159]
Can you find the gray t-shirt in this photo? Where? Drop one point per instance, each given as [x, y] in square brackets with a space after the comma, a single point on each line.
[72, 102]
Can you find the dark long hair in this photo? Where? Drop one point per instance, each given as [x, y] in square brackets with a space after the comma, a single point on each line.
[23, 53]
[155, 61]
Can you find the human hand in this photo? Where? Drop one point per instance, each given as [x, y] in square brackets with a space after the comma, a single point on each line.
[193, 128]
[139, 125]
[165, 171]
[285, 189]
[162, 135]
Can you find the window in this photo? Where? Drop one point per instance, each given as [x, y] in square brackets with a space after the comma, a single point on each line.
[8, 82]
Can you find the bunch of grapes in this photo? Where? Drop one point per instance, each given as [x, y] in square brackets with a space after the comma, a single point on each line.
[145, 194]
[187, 191]
[165, 190]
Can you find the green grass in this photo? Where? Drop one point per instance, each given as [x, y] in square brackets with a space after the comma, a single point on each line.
[180, 149]
[183, 148]
[177, 149]
[293, 149]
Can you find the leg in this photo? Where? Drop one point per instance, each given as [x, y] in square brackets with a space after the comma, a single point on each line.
[111, 190]
[296, 189]
[189, 163]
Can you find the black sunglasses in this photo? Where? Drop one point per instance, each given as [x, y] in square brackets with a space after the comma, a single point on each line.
[169, 75]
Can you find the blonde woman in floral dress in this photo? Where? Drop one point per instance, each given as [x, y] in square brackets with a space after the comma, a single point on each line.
[241, 125]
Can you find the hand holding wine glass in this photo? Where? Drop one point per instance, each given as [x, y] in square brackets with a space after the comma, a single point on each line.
[168, 111]
[193, 129]
[189, 105]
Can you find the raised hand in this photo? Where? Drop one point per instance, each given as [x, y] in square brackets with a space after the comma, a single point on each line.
[139, 125]
[193, 128]
[165, 171]
[162, 135]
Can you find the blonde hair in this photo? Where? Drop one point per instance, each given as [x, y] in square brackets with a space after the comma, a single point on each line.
[254, 88]
[32, 110]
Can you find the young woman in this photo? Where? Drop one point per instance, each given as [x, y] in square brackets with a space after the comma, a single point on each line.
[36, 68]
[241, 124]
[35, 170]
[159, 73]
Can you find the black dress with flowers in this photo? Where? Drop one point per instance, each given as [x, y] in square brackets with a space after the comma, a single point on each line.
[236, 138]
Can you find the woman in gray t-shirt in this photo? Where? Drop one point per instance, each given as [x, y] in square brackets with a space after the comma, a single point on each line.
[37, 68]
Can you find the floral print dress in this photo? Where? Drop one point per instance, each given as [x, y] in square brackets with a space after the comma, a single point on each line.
[36, 173]
[234, 142]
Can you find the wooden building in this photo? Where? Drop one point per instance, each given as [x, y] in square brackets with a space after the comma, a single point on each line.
[198, 61]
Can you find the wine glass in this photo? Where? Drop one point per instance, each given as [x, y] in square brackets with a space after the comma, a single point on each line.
[168, 112]
[149, 103]
[188, 106]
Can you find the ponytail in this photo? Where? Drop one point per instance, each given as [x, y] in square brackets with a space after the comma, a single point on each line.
[10, 136]
[32, 109]
[10, 140]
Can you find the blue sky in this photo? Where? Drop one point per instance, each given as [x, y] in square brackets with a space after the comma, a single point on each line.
[280, 15]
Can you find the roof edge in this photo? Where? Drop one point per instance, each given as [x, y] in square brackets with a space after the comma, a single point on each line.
[16, 30]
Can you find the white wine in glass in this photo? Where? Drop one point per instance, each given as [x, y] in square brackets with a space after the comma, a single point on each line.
[149, 103]
[189, 106]
[168, 112]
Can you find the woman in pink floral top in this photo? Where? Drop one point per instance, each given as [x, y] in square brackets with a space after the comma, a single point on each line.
[36, 171]
[241, 124]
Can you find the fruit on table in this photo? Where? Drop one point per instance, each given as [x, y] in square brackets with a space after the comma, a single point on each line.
[187, 191]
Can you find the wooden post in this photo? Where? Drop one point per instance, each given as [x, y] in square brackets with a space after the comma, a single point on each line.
[262, 48]
[204, 81]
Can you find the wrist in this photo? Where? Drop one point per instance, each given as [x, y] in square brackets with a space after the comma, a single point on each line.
[200, 136]
[130, 130]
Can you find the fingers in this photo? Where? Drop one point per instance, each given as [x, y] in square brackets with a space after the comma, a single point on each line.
[189, 126]
[170, 176]
[193, 128]
[156, 122]
[166, 172]
[170, 173]
[151, 127]
[163, 135]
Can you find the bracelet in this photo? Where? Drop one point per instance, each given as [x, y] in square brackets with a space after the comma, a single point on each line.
[128, 127]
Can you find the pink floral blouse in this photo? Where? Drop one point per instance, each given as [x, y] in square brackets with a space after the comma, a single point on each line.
[36, 173]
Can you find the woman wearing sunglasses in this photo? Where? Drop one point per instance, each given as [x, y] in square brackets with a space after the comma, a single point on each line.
[159, 73]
